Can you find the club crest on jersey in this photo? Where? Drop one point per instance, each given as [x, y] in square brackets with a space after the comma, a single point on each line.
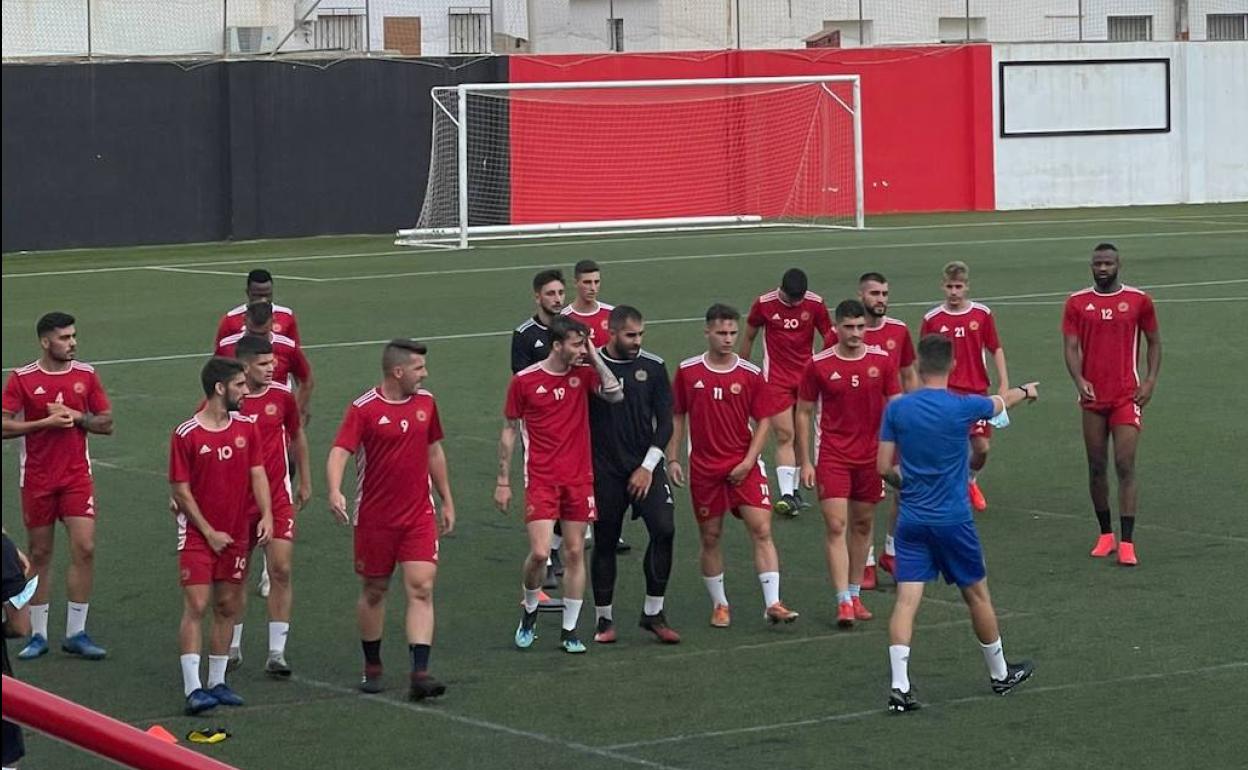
[421, 415]
[974, 325]
[874, 371]
[890, 344]
[80, 388]
[270, 409]
[1122, 308]
[240, 442]
[640, 375]
[574, 382]
[735, 388]
[805, 315]
[277, 328]
[603, 324]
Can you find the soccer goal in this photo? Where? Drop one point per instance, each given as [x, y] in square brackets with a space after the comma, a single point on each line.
[538, 159]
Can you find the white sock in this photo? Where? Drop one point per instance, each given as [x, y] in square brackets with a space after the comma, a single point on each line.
[216, 669]
[571, 611]
[75, 618]
[654, 605]
[787, 476]
[190, 674]
[715, 587]
[236, 641]
[530, 599]
[994, 656]
[605, 611]
[890, 546]
[899, 658]
[771, 587]
[855, 591]
[555, 542]
[871, 556]
[39, 620]
[844, 597]
[278, 631]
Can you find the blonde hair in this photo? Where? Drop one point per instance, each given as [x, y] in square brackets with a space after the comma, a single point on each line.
[956, 271]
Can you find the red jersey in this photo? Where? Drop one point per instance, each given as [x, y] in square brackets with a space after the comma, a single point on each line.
[1109, 328]
[789, 334]
[720, 405]
[53, 457]
[277, 419]
[217, 464]
[555, 411]
[288, 356]
[390, 441]
[974, 335]
[851, 394]
[599, 334]
[283, 323]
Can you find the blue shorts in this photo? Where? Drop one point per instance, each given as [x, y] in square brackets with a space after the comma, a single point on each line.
[927, 550]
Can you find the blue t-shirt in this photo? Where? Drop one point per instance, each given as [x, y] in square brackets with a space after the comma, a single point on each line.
[930, 428]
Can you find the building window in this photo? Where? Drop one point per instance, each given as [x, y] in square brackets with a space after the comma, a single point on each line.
[1128, 28]
[469, 30]
[1226, 26]
[615, 34]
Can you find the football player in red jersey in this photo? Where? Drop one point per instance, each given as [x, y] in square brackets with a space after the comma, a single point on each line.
[851, 382]
[396, 436]
[217, 477]
[973, 331]
[547, 403]
[1102, 326]
[586, 308]
[789, 315]
[50, 406]
[282, 439]
[291, 366]
[259, 289]
[716, 395]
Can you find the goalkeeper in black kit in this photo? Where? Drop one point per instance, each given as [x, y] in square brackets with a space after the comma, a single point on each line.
[628, 440]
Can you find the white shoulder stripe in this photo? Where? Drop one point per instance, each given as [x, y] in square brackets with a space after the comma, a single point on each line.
[769, 296]
[280, 386]
[82, 366]
[283, 309]
[827, 352]
[365, 398]
[423, 392]
[242, 417]
[529, 369]
[651, 356]
[231, 339]
[932, 312]
[33, 366]
[237, 311]
[749, 366]
[186, 427]
[694, 361]
[896, 322]
[1133, 289]
[982, 307]
[810, 295]
[282, 339]
[528, 324]
[605, 306]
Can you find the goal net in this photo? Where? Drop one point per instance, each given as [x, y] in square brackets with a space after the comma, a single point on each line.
[575, 158]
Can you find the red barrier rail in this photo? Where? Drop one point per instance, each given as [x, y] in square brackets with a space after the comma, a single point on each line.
[97, 733]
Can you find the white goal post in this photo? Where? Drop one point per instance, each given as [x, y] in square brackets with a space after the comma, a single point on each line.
[538, 159]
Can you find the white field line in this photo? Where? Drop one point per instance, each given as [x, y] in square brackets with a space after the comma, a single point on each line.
[1155, 527]
[1023, 691]
[656, 322]
[239, 274]
[669, 258]
[483, 724]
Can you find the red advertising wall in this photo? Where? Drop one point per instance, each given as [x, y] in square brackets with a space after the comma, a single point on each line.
[927, 128]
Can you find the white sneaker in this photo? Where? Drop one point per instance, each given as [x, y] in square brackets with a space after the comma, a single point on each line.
[263, 586]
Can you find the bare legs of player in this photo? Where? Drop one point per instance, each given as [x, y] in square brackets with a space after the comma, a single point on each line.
[861, 530]
[835, 514]
[979, 453]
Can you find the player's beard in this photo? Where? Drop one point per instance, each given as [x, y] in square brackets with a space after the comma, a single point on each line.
[232, 406]
[879, 311]
[1104, 283]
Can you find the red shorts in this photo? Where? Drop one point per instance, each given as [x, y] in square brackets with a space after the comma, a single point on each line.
[283, 521]
[981, 428]
[1122, 412]
[777, 397]
[200, 566]
[859, 483]
[378, 550]
[714, 495]
[43, 507]
[551, 502]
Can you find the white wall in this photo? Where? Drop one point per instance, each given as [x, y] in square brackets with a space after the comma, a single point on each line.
[1204, 157]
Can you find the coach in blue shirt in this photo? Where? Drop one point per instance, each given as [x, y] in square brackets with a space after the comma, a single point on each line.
[936, 535]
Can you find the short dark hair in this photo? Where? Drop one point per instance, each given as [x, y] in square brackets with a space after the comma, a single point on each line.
[260, 313]
[50, 322]
[794, 282]
[935, 354]
[399, 349]
[849, 308]
[872, 276]
[585, 266]
[562, 327]
[721, 312]
[545, 277]
[1106, 246]
[621, 314]
[251, 345]
[259, 275]
[218, 369]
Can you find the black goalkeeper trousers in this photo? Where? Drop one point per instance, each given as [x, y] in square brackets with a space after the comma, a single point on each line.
[657, 510]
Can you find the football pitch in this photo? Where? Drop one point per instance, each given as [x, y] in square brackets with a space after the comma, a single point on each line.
[1140, 667]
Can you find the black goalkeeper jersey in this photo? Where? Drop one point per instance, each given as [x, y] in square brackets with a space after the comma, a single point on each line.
[530, 343]
[623, 432]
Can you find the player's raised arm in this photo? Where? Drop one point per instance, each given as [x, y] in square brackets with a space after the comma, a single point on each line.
[441, 478]
[611, 390]
[506, 443]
